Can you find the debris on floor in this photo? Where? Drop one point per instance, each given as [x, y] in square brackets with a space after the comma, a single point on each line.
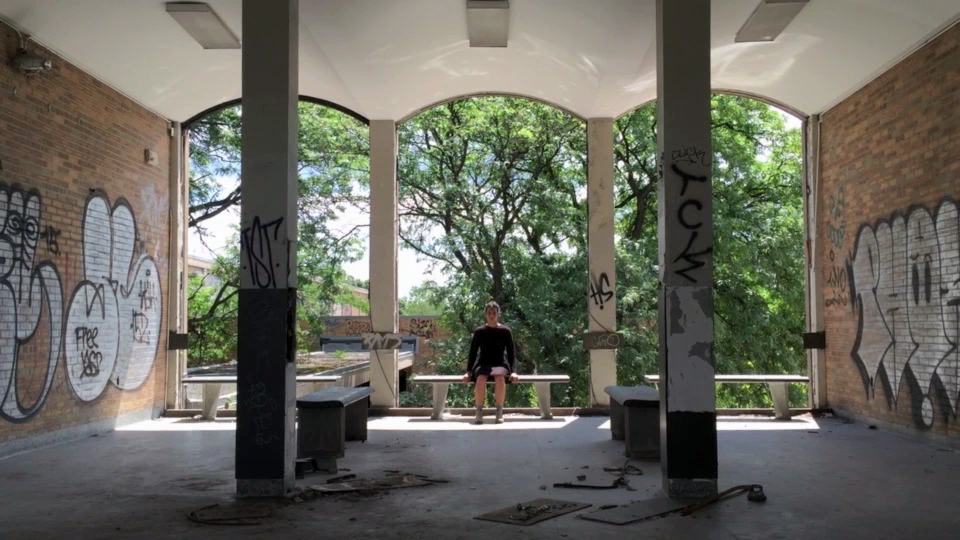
[754, 494]
[636, 511]
[581, 477]
[626, 469]
[532, 512]
[231, 514]
[343, 478]
[372, 484]
[659, 507]
[616, 483]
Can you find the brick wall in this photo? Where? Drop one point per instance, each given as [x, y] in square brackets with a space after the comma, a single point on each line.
[83, 253]
[890, 239]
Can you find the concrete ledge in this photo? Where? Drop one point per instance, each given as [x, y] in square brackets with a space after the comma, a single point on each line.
[557, 411]
[72, 433]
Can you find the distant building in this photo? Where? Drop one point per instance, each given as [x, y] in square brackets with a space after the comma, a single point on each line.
[202, 266]
[344, 310]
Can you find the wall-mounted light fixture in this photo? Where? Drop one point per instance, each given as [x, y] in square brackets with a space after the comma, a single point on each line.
[488, 22]
[769, 19]
[203, 24]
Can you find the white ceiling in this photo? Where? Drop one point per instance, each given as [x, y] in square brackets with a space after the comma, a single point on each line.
[387, 59]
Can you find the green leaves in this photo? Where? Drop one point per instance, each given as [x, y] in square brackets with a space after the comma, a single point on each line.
[332, 178]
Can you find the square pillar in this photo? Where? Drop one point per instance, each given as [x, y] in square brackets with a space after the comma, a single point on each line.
[814, 306]
[688, 418]
[601, 254]
[266, 336]
[177, 255]
[384, 234]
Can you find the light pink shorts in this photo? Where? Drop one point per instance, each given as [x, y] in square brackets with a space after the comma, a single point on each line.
[498, 371]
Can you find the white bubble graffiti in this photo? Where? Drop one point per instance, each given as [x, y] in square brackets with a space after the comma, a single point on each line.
[905, 276]
[113, 324]
[26, 288]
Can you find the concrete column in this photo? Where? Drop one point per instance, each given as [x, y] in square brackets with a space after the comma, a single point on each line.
[688, 434]
[816, 358]
[601, 254]
[384, 233]
[176, 287]
[266, 347]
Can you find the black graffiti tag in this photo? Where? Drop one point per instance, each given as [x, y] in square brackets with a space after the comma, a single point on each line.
[258, 240]
[600, 289]
[691, 155]
[687, 178]
[139, 323]
[90, 356]
[50, 234]
[685, 215]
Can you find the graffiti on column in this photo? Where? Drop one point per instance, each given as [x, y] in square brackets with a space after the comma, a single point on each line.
[694, 252]
[837, 278]
[600, 291]
[261, 252]
[905, 282]
[691, 155]
[28, 290]
[113, 324]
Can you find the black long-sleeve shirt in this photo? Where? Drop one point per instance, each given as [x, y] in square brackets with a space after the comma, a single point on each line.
[492, 347]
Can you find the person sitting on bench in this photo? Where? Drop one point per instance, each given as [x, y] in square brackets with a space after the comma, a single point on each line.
[492, 354]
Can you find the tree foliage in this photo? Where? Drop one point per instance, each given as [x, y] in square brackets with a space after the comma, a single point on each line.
[332, 176]
[493, 190]
[757, 245]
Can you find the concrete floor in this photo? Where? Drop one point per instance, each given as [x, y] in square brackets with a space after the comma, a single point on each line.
[825, 479]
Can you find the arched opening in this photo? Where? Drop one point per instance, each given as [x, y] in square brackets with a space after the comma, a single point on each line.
[758, 244]
[332, 172]
[492, 197]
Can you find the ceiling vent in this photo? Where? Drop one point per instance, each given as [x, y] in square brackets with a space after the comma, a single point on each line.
[769, 19]
[203, 24]
[488, 22]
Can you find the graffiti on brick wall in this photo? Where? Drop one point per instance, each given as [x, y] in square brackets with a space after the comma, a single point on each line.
[425, 328]
[905, 279]
[30, 292]
[837, 293]
[356, 327]
[113, 323]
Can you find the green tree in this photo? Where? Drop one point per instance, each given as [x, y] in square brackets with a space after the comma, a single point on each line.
[332, 178]
[757, 245]
[421, 300]
[492, 189]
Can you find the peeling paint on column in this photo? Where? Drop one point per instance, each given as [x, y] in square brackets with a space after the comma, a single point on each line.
[689, 314]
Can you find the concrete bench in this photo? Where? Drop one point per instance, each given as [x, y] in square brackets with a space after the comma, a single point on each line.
[635, 419]
[213, 385]
[441, 383]
[327, 419]
[778, 384]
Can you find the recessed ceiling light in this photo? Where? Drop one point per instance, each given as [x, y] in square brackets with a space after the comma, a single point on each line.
[203, 24]
[769, 19]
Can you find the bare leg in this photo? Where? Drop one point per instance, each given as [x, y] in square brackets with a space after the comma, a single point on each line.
[480, 391]
[499, 390]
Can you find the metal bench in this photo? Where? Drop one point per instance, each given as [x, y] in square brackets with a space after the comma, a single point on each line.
[778, 384]
[327, 419]
[635, 419]
[441, 383]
